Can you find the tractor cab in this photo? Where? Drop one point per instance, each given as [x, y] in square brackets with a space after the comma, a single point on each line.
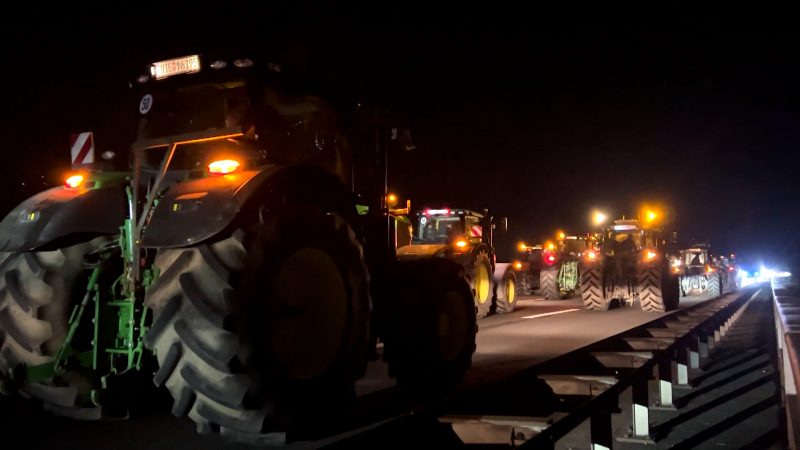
[226, 115]
[446, 226]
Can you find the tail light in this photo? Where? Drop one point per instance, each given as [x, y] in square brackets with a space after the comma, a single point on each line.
[74, 181]
[591, 255]
[224, 166]
[731, 269]
[517, 265]
[549, 258]
[649, 255]
[461, 243]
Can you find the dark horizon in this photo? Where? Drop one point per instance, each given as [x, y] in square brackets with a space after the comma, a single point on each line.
[539, 118]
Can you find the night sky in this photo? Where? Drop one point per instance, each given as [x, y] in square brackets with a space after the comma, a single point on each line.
[537, 114]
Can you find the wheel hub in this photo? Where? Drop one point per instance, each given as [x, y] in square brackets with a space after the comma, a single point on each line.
[307, 314]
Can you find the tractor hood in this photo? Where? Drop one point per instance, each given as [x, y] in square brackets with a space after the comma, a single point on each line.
[421, 251]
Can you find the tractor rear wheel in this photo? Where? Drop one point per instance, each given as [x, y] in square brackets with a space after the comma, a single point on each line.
[262, 330]
[429, 333]
[592, 289]
[38, 292]
[479, 276]
[652, 290]
[548, 283]
[713, 285]
[505, 289]
[524, 286]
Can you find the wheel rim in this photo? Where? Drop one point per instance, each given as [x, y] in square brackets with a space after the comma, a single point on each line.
[482, 284]
[307, 316]
[511, 291]
[451, 326]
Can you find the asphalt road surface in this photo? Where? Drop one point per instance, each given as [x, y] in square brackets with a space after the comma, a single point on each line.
[538, 330]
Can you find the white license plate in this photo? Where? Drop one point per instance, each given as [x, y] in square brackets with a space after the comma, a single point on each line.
[170, 67]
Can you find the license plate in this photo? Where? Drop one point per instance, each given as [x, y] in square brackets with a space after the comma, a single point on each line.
[170, 67]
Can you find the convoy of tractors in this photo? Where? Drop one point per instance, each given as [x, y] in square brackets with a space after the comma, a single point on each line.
[244, 258]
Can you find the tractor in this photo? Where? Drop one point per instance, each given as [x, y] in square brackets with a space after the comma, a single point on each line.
[699, 271]
[527, 268]
[465, 237]
[630, 265]
[729, 272]
[228, 261]
[559, 274]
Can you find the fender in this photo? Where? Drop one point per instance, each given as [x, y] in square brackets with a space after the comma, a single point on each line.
[61, 212]
[197, 210]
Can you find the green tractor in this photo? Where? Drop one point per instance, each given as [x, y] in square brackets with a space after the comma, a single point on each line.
[232, 265]
[559, 275]
[631, 265]
[465, 237]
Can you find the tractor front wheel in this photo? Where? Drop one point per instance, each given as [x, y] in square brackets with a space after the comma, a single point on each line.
[259, 331]
[38, 292]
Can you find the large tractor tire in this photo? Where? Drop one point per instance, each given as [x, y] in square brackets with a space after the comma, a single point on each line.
[652, 293]
[505, 288]
[259, 331]
[592, 289]
[713, 285]
[429, 328]
[38, 292]
[524, 285]
[548, 285]
[479, 277]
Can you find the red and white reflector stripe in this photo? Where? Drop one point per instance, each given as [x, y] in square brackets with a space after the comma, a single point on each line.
[82, 148]
[476, 231]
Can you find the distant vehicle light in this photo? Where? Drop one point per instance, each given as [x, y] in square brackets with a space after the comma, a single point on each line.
[461, 243]
[624, 227]
[561, 235]
[517, 265]
[599, 218]
[731, 269]
[224, 166]
[549, 259]
[435, 212]
[651, 216]
[710, 269]
[218, 64]
[591, 254]
[650, 255]
[142, 79]
[550, 246]
[522, 247]
[74, 181]
[391, 199]
[242, 63]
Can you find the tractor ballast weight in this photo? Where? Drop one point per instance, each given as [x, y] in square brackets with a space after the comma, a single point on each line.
[196, 264]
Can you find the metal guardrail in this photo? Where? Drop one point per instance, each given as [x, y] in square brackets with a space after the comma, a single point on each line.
[690, 346]
[786, 304]
[665, 349]
[586, 384]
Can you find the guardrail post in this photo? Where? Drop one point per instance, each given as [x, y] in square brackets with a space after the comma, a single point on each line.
[641, 412]
[602, 433]
[694, 352]
[702, 344]
[665, 384]
[681, 367]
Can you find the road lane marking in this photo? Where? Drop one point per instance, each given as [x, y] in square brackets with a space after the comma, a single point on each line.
[536, 316]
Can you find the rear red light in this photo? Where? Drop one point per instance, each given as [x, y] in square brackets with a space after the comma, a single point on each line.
[549, 259]
[730, 269]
